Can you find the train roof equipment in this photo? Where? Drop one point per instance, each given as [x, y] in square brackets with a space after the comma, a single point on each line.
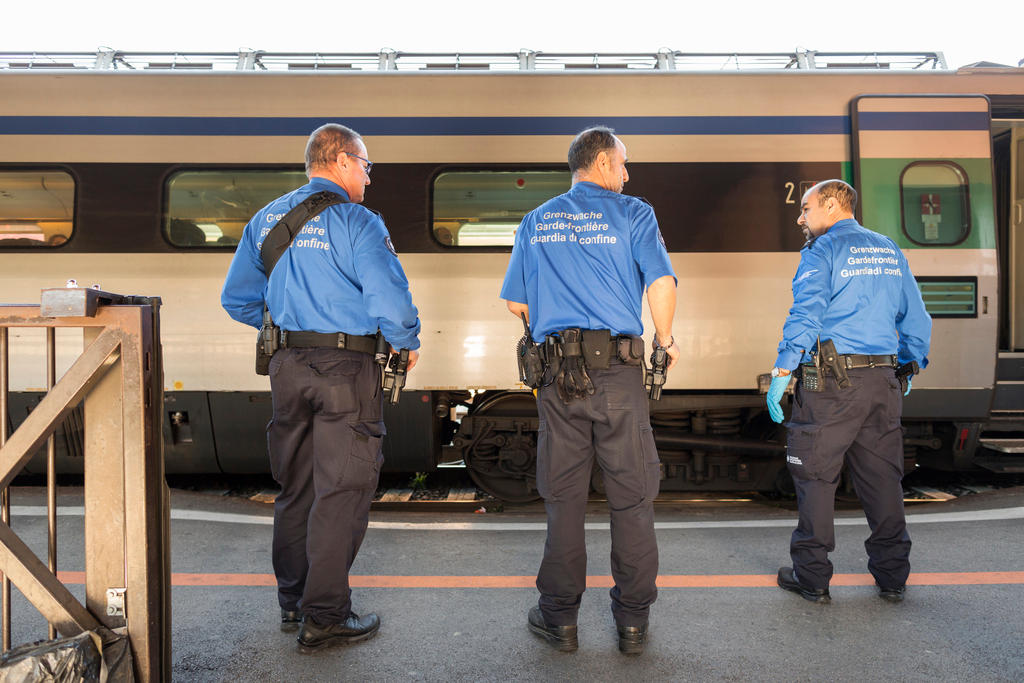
[107, 59]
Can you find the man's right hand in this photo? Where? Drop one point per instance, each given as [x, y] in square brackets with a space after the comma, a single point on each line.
[774, 397]
[413, 357]
[673, 354]
[672, 350]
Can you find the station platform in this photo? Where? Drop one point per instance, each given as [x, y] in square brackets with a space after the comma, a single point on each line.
[453, 589]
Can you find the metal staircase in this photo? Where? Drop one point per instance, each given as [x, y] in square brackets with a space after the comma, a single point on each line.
[1003, 439]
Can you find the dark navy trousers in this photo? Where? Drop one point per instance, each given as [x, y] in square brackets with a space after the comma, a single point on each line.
[325, 451]
[861, 426]
[613, 426]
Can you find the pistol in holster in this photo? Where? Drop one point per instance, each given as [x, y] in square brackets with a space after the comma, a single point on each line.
[905, 372]
[528, 358]
[655, 377]
[267, 343]
[826, 361]
[395, 375]
[831, 361]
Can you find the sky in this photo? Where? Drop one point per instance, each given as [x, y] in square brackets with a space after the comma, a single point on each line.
[964, 32]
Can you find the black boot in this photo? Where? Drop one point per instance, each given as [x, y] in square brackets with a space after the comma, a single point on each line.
[787, 581]
[562, 638]
[315, 635]
[290, 620]
[632, 639]
[892, 594]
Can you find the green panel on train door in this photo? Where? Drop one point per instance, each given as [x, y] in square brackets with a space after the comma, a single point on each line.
[879, 186]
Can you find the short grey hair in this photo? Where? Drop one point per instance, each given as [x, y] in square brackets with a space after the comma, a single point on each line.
[588, 144]
[326, 143]
[843, 193]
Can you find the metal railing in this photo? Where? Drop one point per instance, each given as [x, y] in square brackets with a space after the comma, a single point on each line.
[106, 59]
[118, 379]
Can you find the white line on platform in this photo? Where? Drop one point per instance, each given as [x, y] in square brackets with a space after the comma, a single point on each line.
[232, 518]
[188, 515]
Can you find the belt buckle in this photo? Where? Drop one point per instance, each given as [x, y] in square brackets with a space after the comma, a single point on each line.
[341, 340]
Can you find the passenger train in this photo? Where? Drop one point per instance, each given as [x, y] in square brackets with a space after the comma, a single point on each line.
[137, 172]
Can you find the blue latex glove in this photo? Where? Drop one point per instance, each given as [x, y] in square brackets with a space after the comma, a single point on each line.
[775, 392]
[909, 381]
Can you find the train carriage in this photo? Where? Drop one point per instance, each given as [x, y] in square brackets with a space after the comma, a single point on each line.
[138, 173]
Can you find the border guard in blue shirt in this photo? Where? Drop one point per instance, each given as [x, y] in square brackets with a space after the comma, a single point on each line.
[857, 333]
[579, 267]
[338, 282]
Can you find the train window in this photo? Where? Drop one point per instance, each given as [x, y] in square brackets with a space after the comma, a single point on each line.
[37, 208]
[935, 202]
[210, 207]
[484, 208]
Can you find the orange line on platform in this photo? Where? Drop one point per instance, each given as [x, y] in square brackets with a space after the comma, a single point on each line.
[664, 580]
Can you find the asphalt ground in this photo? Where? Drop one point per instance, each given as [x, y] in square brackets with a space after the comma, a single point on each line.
[453, 590]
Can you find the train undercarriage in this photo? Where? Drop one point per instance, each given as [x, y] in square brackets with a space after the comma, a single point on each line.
[710, 441]
[706, 441]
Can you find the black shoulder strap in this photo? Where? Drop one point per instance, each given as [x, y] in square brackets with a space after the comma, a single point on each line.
[283, 233]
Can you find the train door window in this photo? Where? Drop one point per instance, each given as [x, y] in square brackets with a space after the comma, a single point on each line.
[484, 208]
[37, 208]
[1020, 170]
[935, 203]
[210, 207]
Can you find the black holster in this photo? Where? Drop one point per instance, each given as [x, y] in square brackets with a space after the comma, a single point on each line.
[394, 375]
[528, 358]
[654, 379]
[831, 361]
[905, 372]
[267, 343]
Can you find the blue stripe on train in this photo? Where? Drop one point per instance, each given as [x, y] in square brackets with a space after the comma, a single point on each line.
[930, 120]
[488, 125]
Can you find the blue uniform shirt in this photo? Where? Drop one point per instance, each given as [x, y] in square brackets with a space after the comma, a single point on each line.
[340, 274]
[583, 259]
[854, 286]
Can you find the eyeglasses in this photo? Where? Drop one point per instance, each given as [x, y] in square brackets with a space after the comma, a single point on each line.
[369, 164]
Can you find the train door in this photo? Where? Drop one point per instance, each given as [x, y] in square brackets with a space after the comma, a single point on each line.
[923, 168]
[1015, 246]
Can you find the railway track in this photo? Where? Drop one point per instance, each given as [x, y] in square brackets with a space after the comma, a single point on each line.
[453, 492]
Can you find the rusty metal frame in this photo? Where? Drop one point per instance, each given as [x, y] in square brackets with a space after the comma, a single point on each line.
[119, 378]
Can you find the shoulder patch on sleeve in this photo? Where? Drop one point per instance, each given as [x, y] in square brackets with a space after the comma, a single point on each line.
[389, 245]
[806, 275]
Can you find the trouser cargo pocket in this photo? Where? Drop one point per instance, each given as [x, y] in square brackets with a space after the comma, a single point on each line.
[802, 452]
[365, 457]
[651, 463]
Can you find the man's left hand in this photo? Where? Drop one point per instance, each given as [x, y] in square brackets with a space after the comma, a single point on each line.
[775, 392]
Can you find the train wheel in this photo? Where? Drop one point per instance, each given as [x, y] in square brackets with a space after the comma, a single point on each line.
[501, 450]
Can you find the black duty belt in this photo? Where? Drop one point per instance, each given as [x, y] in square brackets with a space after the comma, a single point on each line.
[329, 340]
[860, 360]
[598, 347]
